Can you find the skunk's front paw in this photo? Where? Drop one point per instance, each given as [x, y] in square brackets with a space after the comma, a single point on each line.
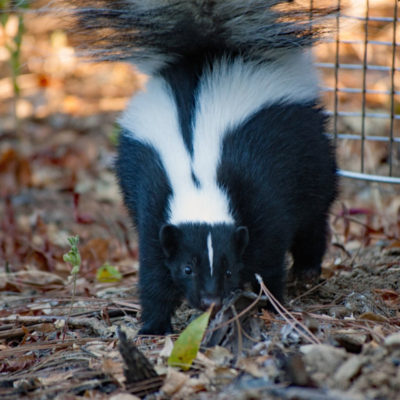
[156, 328]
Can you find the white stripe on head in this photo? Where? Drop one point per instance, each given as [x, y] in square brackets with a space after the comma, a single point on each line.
[210, 253]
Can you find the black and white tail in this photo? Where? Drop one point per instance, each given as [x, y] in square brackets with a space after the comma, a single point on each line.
[155, 33]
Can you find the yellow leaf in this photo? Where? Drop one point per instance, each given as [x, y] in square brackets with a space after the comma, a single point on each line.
[188, 344]
[108, 273]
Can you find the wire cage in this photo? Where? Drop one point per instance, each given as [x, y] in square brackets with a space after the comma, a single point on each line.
[360, 69]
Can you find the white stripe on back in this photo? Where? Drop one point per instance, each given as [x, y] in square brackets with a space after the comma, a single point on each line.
[228, 93]
[233, 90]
[152, 118]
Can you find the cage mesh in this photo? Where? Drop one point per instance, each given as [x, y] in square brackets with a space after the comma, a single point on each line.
[361, 80]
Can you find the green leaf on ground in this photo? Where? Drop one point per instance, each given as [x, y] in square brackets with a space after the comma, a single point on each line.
[188, 344]
[108, 273]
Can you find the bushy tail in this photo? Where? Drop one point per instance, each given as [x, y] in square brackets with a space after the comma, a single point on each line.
[153, 33]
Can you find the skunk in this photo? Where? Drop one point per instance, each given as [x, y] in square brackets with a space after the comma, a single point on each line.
[222, 161]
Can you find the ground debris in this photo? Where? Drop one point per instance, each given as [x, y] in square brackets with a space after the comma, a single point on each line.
[137, 366]
[56, 173]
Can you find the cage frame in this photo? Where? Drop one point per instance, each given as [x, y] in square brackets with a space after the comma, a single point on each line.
[364, 67]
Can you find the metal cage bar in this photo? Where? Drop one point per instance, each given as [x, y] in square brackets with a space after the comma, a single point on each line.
[364, 87]
[392, 83]
[336, 87]
[366, 64]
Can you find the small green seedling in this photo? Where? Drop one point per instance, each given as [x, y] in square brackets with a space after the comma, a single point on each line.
[73, 257]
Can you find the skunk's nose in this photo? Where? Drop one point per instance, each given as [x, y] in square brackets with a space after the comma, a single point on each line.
[206, 302]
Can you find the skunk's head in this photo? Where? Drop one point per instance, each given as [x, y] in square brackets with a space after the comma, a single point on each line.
[204, 260]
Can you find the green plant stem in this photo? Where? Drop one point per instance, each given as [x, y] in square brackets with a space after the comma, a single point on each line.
[14, 48]
[70, 307]
[74, 258]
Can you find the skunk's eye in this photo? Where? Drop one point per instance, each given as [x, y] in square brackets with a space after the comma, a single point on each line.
[228, 273]
[188, 270]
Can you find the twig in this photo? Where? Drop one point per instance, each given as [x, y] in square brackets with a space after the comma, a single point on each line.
[307, 292]
[239, 333]
[300, 393]
[54, 344]
[244, 311]
[92, 323]
[355, 323]
[287, 316]
[31, 319]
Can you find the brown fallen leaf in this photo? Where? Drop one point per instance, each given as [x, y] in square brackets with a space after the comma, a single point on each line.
[389, 296]
[370, 316]
[95, 253]
[174, 381]
[15, 170]
[124, 396]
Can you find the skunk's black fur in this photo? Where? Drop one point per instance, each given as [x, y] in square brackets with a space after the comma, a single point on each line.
[222, 161]
[278, 170]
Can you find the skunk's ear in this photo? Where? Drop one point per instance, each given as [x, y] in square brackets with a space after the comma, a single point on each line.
[241, 238]
[170, 236]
